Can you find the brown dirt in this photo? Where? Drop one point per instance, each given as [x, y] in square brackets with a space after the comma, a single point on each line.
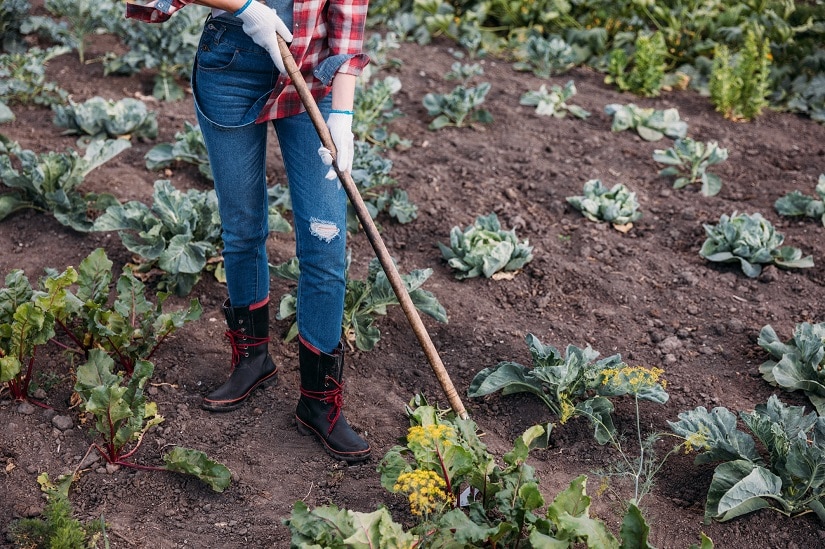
[646, 295]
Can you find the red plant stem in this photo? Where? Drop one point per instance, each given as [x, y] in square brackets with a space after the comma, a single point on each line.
[112, 434]
[446, 473]
[71, 335]
[28, 377]
[155, 348]
[126, 362]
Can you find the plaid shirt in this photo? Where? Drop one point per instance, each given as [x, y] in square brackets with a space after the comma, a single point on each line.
[327, 39]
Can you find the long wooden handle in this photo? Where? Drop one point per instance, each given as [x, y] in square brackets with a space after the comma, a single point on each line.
[372, 235]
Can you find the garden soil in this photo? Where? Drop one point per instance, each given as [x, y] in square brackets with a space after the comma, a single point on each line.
[645, 294]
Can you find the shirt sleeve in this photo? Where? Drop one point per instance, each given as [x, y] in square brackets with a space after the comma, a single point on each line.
[160, 12]
[346, 20]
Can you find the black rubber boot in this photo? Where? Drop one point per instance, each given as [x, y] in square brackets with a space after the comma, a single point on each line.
[252, 366]
[319, 408]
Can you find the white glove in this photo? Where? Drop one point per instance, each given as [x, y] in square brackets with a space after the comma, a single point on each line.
[340, 128]
[263, 25]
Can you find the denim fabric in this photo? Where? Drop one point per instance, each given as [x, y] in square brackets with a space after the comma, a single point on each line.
[231, 81]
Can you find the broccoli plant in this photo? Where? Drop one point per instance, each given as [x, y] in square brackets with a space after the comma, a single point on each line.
[23, 79]
[364, 299]
[689, 160]
[374, 110]
[484, 248]
[49, 182]
[787, 479]
[83, 18]
[13, 14]
[796, 204]
[650, 124]
[554, 102]
[545, 56]
[187, 147]
[98, 117]
[752, 241]
[616, 205]
[462, 104]
[799, 363]
[464, 72]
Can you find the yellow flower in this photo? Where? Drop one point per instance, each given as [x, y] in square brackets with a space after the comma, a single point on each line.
[634, 378]
[426, 491]
[430, 435]
[696, 441]
[567, 411]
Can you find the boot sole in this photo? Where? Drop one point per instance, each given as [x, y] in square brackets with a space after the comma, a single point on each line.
[230, 405]
[351, 457]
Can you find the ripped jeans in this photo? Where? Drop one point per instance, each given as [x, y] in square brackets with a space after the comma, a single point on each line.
[231, 81]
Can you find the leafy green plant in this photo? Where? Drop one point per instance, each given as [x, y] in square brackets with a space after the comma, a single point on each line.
[752, 241]
[787, 479]
[23, 328]
[647, 73]
[371, 175]
[374, 110]
[572, 385]
[129, 330]
[796, 204]
[739, 86]
[456, 108]
[13, 14]
[84, 18]
[167, 49]
[57, 528]
[616, 205]
[689, 160]
[179, 234]
[799, 363]
[484, 248]
[187, 147]
[100, 118]
[464, 72]
[545, 57]
[49, 182]
[650, 124]
[554, 102]
[23, 79]
[460, 496]
[363, 301]
[122, 417]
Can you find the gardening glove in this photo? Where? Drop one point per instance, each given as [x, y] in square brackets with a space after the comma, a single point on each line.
[340, 128]
[263, 25]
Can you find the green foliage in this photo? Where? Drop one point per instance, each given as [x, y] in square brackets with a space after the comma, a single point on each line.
[23, 79]
[49, 182]
[484, 248]
[554, 102]
[796, 204]
[616, 205]
[187, 147]
[799, 363]
[374, 110]
[647, 73]
[363, 301]
[464, 72]
[752, 241]
[739, 85]
[650, 124]
[101, 118]
[688, 160]
[194, 462]
[456, 108]
[83, 18]
[789, 479]
[545, 57]
[57, 528]
[13, 13]
[576, 385]
[167, 49]
[129, 330]
[371, 175]
[23, 327]
[179, 234]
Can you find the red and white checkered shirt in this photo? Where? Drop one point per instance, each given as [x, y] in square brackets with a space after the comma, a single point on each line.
[321, 29]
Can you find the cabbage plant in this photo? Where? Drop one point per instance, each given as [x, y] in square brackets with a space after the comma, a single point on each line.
[798, 364]
[650, 124]
[796, 204]
[752, 241]
[484, 248]
[616, 205]
[554, 102]
[689, 160]
[99, 117]
[789, 477]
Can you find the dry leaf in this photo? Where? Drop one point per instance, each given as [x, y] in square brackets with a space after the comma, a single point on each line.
[504, 276]
[623, 228]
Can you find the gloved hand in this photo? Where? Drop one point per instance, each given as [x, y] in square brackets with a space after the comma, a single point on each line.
[340, 128]
[262, 23]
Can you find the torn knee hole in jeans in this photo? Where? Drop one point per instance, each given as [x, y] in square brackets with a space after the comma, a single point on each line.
[325, 230]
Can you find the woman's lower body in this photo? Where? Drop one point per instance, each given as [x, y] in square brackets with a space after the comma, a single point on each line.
[232, 80]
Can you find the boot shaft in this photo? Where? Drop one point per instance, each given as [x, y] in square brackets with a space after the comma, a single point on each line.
[242, 320]
[320, 371]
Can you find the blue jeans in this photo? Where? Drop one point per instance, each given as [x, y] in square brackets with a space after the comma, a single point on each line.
[231, 80]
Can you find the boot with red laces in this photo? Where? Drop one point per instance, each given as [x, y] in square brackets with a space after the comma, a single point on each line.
[252, 366]
[319, 409]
